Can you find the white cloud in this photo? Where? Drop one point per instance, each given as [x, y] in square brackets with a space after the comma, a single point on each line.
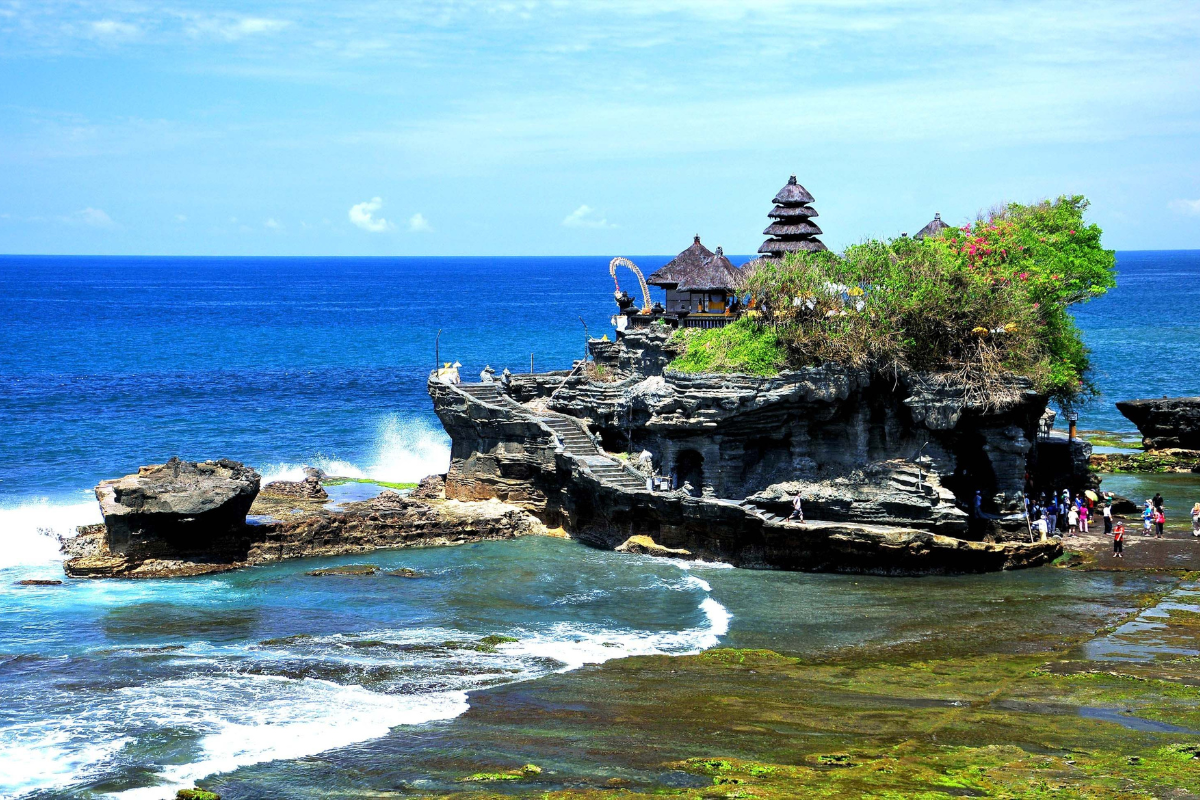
[585, 217]
[92, 217]
[1188, 207]
[272, 224]
[114, 29]
[181, 218]
[361, 215]
[418, 224]
[231, 29]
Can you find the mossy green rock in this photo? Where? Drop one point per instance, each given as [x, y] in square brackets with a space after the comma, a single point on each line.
[196, 794]
[350, 570]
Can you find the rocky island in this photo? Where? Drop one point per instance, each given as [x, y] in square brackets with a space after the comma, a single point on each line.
[900, 390]
[855, 382]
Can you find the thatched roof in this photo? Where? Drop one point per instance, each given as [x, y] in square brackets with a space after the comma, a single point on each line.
[787, 212]
[793, 194]
[716, 274]
[796, 227]
[933, 228]
[792, 230]
[690, 259]
[778, 247]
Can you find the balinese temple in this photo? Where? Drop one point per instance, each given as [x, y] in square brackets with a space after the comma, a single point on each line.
[792, 229]
[701, 287]
[933, 228]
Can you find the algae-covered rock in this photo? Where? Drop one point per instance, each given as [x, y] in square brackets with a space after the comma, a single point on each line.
[352, 570]
[196, 794]
[646, 546]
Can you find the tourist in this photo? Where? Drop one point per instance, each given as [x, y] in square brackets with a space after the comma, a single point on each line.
[978, 504]
[1084, 517]
[1119, 539]
[1158, 501]
[797, 509]
[1108, 522]
[1196, 520]
[1073, 520]
[1041, 527]
[1147, 517]
[1160, 519]
[1052, 517]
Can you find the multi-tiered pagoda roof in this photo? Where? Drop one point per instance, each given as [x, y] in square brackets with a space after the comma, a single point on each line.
[792, 229]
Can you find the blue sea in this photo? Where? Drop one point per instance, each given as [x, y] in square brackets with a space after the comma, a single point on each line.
[106, 364]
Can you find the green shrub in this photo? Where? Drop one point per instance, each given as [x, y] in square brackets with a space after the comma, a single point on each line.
[743, 346]
[984, 301]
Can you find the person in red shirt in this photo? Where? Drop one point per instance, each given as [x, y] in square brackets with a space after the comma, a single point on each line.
[1118, 539]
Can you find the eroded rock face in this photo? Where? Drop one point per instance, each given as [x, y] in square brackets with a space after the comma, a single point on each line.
[431, 487]
[179, 506]
[735, 435]
[1169, 423]
[878, 494]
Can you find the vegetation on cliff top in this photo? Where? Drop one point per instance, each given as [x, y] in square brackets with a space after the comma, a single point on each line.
[982, 302]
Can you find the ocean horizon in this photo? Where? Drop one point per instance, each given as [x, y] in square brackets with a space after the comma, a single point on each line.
[108, 363]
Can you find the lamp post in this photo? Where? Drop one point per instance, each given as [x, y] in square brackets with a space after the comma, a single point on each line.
[1072, 418]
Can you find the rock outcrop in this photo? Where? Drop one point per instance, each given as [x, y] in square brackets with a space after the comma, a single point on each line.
[385, 522]
[821, 426]
[310, 488]
[1172, 423]
[180, 506]
[877, 494]
[736, 435]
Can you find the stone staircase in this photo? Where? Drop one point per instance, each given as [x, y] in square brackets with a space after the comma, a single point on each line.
[579, 445]
[488, 393]
[576, 441]
[762, 513]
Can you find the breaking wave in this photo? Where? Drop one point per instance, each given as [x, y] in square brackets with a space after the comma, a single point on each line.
[30, 531]
[404, 451]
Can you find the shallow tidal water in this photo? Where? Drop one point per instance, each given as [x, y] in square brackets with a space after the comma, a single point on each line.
[269, 682]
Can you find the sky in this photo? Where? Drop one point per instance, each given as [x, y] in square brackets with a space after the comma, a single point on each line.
[556, 127]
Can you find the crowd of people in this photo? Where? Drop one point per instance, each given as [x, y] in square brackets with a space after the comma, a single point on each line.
[1070, 516]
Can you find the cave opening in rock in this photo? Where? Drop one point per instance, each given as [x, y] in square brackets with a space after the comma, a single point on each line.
[974, 472]
[689, 468]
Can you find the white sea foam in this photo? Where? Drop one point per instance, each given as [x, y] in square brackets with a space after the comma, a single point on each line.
[30, 531]
[34, 758]
[404, 451]
[251, 719]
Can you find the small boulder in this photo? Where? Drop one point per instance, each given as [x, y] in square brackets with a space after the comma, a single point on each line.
[38, 582]
[196, 794]
[310, 488]
[184, 505]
